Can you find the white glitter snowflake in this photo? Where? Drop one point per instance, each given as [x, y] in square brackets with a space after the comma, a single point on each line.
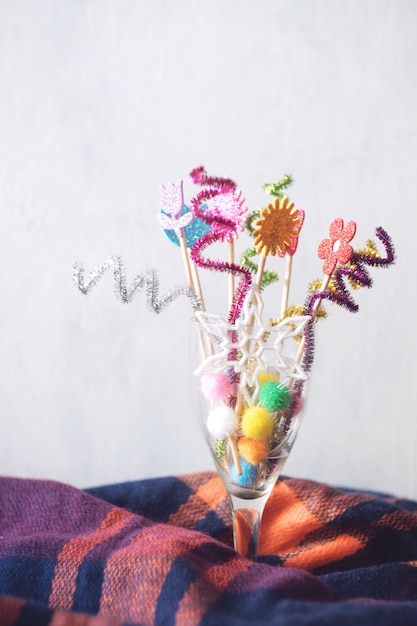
[252, 346]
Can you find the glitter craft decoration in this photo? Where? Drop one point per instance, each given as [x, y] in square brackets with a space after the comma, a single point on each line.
[266, 276]
[193, 230]
[224, 227]
[172, 203]
[276, 231]
[242, 347]
[125, 293]
[253, 369]
[337, 249]
[278, 228]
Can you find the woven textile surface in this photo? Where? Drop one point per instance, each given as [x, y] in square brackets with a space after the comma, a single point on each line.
[160, 552]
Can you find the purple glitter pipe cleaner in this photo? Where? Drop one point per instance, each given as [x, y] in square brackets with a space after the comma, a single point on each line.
[357, 271]
[341, 296]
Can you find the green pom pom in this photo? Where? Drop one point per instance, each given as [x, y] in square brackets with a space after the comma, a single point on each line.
[274, 396]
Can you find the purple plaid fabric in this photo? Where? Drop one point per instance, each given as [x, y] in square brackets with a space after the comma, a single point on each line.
[160, 552]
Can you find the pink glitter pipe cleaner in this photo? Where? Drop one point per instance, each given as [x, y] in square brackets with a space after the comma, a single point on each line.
[221, 229]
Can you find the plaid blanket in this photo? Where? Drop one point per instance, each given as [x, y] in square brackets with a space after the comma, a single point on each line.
[160, 552]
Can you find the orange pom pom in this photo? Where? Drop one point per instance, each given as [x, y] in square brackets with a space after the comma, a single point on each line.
[253, 450]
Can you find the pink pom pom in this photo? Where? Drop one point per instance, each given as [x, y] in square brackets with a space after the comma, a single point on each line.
[216, 386]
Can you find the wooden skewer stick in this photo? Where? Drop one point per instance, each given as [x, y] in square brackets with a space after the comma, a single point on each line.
[286, 287]
[186, 260]
[196, 282]
[260, 272]
[235, 454]
[191, 272]
[323, 287]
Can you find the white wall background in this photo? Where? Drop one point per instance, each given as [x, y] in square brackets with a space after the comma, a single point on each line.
[102, 101]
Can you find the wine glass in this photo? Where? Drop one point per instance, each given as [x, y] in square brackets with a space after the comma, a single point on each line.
[252, 390]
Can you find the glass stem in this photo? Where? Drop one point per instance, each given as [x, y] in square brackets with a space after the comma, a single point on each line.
[247, 518]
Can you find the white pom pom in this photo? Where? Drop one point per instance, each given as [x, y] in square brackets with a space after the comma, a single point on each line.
[221, 422]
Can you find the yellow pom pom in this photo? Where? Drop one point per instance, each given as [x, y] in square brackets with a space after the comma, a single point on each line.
[257, 423]
[253, 450]
[265, 377]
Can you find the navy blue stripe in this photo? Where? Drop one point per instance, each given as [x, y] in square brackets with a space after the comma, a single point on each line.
[29, 578]
[156, 498]
[262, 609]
[34, 615]
[184, 570]
[179, 578]
[89, 585]
[362, 515]
[211, 525]
[388, 581]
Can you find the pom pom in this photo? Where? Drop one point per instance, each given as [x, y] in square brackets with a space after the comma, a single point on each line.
[274, 396]
[253, 450]
[247, 477]
[221, 422]
[257, 423]
[266, 377]
[216, 386]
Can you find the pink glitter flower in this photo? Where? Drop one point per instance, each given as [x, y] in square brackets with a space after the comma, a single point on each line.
[337, 249]
[231, 207]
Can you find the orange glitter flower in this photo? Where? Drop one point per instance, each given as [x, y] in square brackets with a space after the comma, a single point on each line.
[278, 228]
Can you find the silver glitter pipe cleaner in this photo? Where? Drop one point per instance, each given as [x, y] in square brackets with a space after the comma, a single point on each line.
[125, 293]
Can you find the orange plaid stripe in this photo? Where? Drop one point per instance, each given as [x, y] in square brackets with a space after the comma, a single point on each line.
[286, 522]
[135, 574]
[73, 553]
[210, 495]
[204, 591]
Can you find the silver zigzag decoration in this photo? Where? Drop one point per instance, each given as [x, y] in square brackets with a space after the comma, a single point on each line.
[125, 293]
